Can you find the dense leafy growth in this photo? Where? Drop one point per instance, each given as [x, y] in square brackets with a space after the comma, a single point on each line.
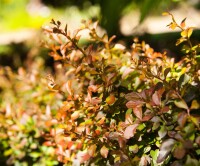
[120, 106]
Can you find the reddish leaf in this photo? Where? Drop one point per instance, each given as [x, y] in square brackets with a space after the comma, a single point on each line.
[128, 118]
[133, 104]
[133, 96]
[122, 142]
[126, 72]
[138, 112]
[156, 98]
[183, 23]
[146, 118]
[95, 101]
[165, 149]
[182, 118]
[110, 99]
[114, 135]
[69, 144]
[93, 88]
[130, 131]
[179, 152]
[144, 160]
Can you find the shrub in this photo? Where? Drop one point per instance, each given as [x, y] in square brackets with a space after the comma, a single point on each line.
[108, 104]
[125, 106]
[26, 107]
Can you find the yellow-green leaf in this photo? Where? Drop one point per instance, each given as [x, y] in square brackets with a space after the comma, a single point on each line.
[190, 30]
[195, 120]
[195, 105]
[173, 25]
[184, 33]
[181, 104]
[179, 41]
[165, 13]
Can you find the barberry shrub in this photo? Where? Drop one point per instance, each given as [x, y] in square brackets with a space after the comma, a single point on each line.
[26, 110]
[124, 106]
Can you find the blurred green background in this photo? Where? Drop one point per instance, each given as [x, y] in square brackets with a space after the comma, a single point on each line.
[21, 22]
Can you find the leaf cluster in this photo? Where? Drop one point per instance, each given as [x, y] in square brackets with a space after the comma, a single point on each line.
[126, 106]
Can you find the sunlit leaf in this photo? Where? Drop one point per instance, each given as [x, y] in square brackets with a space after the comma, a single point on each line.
[154, 154]
[130, 131]
[181, 40]
[184, 33]
[126, 72]
[181, 104]
[162, 132]
[195, 105]
[165, 13]
[104, 151]
[190, 30]
[156, 97]
[110, 99]
[138, 112]
[183, 23]
[75, 115]
[91, 150]
[195, 120]
[134, 148]
[35, 154]
[172, 25]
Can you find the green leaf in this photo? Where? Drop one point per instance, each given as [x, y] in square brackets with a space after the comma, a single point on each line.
[167, 70]
[190, 30]
[147, 149]
[184, 79]
[35, 154]
[195, 105]
[198, 58]
[162, 132]
[181, 40]
[134, 148]
[195, 120]
[154, 154]
[165, 13]
[191, 162]
[8, 152]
